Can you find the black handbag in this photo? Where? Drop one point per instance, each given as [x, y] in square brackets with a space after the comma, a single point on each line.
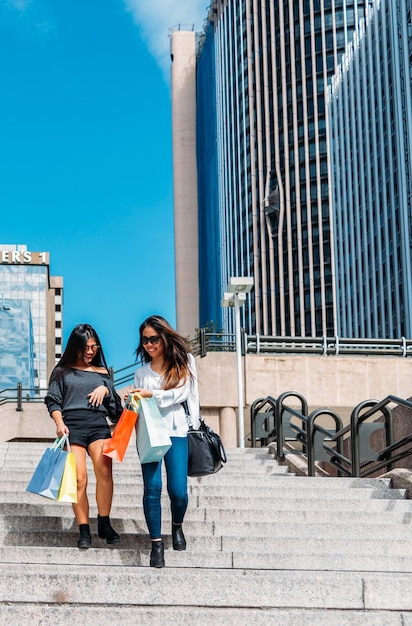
[206, 452]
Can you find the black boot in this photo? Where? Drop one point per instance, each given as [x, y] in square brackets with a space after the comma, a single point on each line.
[179, 541]
[105, 530]
[157, 555]
[85, 541]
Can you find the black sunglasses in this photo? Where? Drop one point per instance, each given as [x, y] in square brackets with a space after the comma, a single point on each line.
[153, 340]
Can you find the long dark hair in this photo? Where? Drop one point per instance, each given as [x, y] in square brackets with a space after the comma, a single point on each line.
[176, 352]
[77, 343]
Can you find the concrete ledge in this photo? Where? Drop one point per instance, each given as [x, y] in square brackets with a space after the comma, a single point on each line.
[401, 479]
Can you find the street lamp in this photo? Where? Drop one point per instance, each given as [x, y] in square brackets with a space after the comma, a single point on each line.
[235, 296]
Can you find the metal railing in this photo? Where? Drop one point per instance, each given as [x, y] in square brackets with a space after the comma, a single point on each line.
[206, 342]
[124, 375]
[20, 394]
[284, 424]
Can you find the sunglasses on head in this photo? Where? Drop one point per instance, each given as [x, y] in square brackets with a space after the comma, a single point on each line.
[153, 340]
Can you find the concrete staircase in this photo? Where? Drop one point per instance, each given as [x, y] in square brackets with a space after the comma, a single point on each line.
[264, 547]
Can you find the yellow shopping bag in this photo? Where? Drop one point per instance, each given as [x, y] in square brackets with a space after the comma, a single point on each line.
[68, 486]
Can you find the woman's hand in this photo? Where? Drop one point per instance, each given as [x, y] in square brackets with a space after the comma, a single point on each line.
[127, 394]
[144, 393]
[97, 396]
[61, 428]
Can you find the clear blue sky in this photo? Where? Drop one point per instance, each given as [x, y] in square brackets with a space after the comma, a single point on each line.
[86, 156]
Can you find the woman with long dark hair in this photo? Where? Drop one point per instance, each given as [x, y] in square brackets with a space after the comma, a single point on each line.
[80, 398]
[169, 375]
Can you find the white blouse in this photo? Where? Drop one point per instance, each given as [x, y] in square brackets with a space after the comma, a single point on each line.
[169, 401]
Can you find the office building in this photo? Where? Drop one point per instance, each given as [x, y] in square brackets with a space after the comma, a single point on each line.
[257, 81]
[31, 303]
[370, 113]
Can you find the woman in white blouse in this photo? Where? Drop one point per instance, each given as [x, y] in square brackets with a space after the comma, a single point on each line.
[169, 376]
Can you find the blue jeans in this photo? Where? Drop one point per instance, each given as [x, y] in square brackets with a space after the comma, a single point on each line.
[176, 471]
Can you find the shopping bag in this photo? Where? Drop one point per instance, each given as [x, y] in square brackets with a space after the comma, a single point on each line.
[68, 486]
[116, 446]
[152, 435]
[48, 474]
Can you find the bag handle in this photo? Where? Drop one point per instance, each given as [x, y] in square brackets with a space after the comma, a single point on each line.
[131, 402]
[60, 443]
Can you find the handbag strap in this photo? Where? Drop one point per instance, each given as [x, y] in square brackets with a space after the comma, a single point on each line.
[188, 417]
[187, 413]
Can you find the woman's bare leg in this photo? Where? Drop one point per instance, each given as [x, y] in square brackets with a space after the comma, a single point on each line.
[81, 509]
[104, 480]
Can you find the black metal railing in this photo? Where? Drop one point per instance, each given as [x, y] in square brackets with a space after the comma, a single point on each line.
[206, 342]
[20, 394]
[124, 375]
[263, 425]
[284, 424]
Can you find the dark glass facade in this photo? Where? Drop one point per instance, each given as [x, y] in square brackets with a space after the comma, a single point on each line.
[267, 66]
[371, 141]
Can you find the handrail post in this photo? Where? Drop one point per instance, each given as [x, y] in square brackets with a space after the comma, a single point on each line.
[389, 432]
[202, 336]
[19, 397]
[279, 431]
[243, 341]
[313, 429]
[354, 442]
[310, 446]
[279, 419]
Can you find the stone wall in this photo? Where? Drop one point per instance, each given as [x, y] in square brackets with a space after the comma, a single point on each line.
[336, 382]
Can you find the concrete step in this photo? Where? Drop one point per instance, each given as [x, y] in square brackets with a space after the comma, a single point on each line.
[400, 514]
[33, 450]
[250, 489]
[256, 589]
[69, 615]
[108, 556]
[284, 502]
[252, 481]
[263, 547]
[23, 475]
[67, 537]
[256, 529]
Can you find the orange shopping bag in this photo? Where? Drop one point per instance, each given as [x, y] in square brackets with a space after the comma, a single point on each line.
[116, 446]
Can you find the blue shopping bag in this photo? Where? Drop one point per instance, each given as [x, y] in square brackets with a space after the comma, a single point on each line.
[48, 474]
[152, 434]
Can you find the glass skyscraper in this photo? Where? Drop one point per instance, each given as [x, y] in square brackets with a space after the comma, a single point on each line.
[371, 148]
[30, 317]
[17, 362]
[262, 135]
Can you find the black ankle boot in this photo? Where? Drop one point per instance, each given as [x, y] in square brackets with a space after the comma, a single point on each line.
[157, 555]
[178, 538]
[85, 541]
[105, 530]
